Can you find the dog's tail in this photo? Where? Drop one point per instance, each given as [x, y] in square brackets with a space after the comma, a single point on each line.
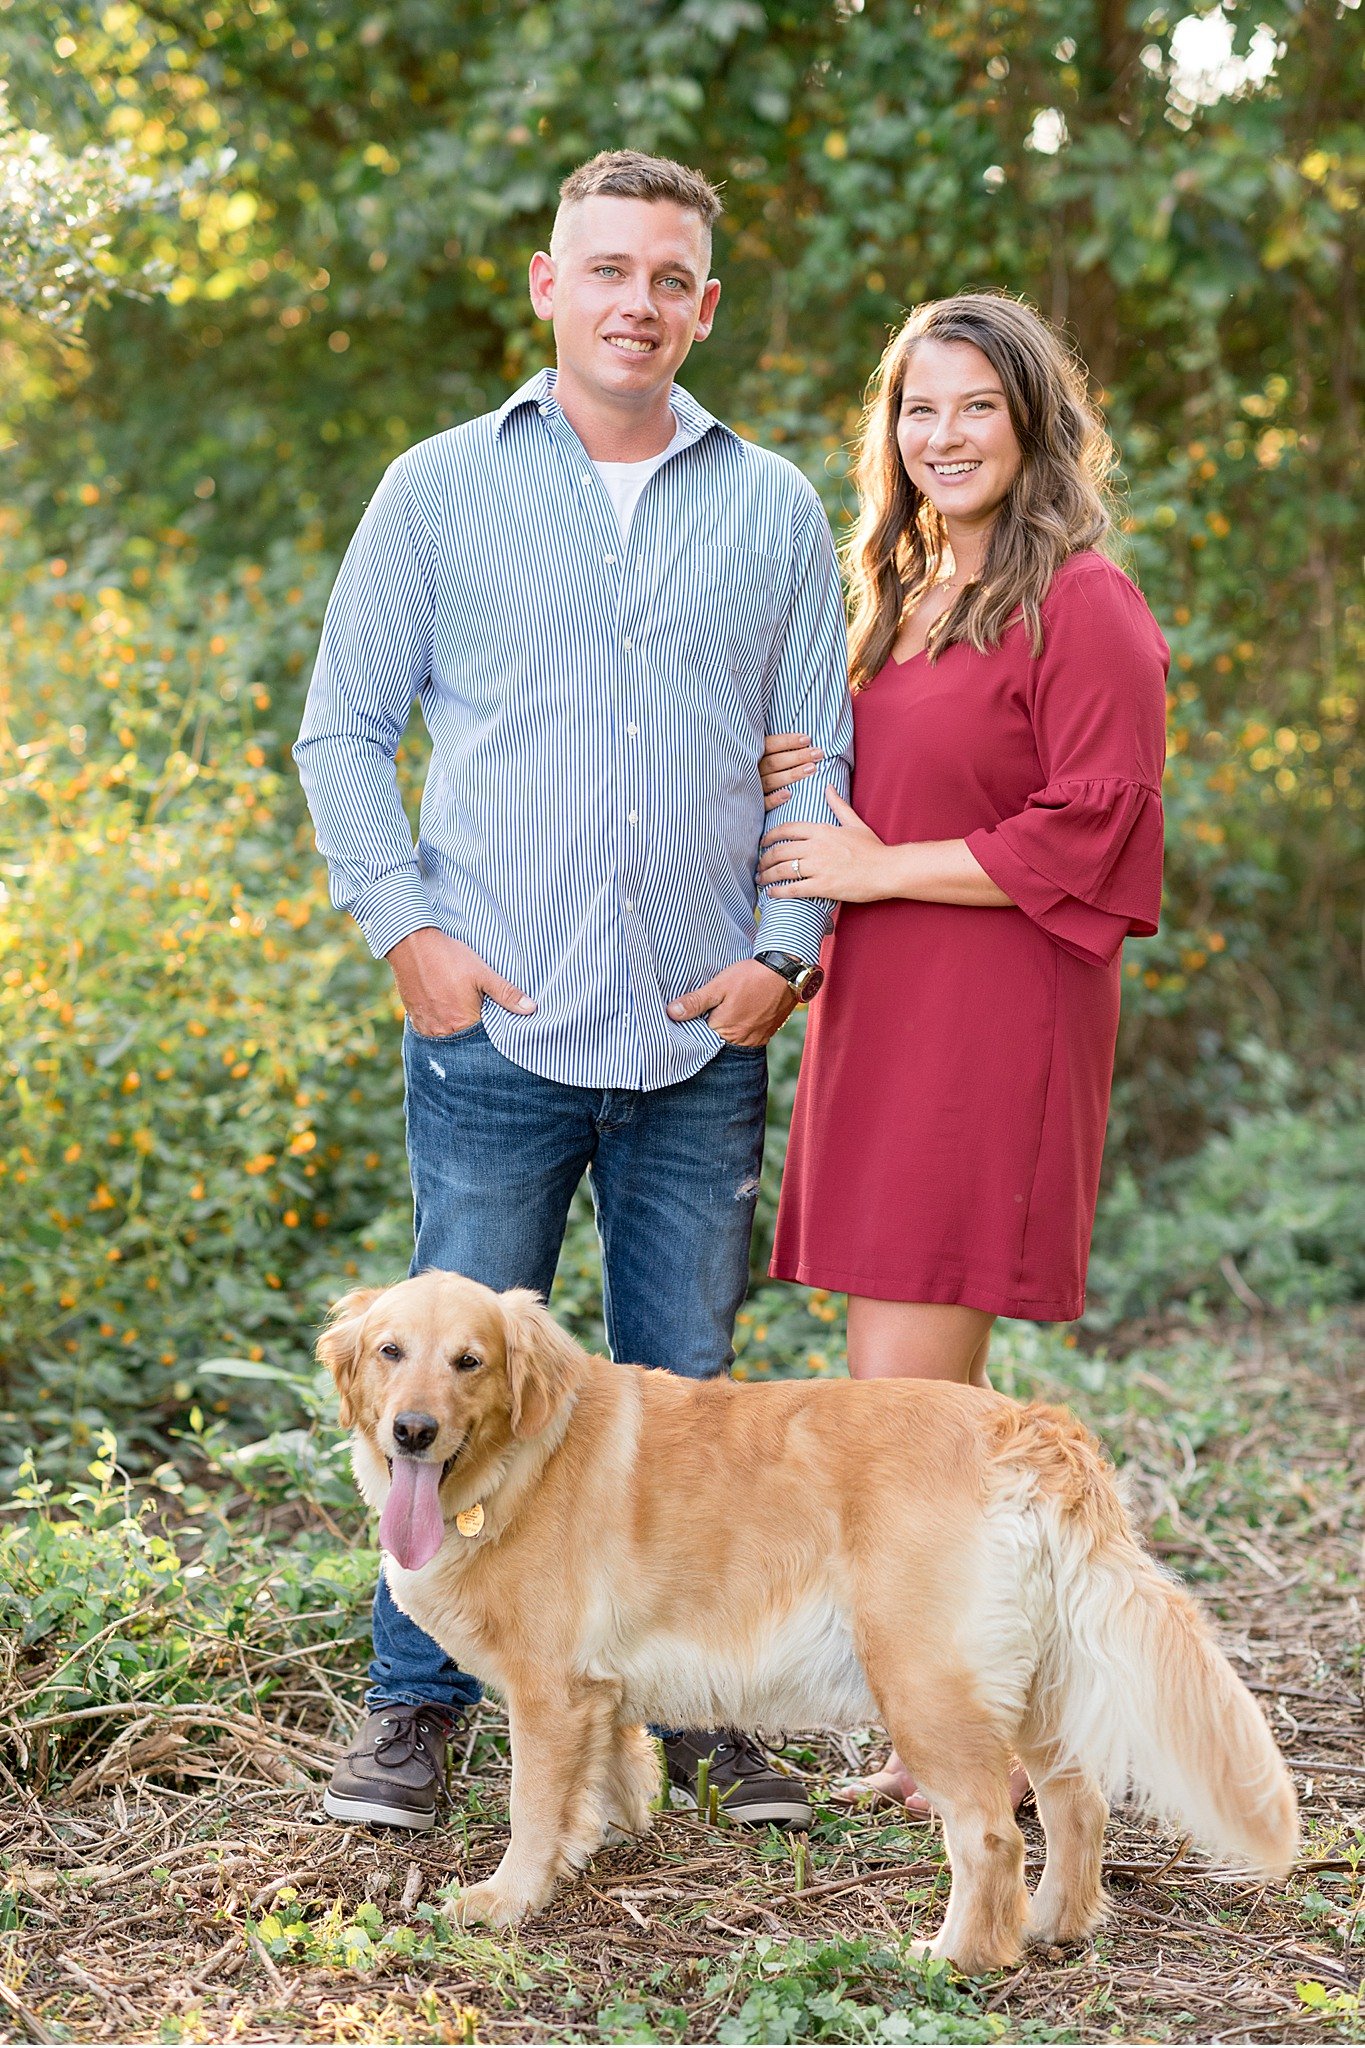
[1131, 1684]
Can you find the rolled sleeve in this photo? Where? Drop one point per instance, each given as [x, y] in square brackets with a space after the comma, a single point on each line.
[394, 908]
[808, 692]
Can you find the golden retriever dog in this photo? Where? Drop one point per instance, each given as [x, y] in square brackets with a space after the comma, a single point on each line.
[606, 1547]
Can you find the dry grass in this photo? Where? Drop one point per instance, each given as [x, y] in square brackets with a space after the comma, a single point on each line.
[141, 1881]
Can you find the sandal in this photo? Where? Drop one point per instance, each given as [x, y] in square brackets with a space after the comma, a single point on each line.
[882, 1788]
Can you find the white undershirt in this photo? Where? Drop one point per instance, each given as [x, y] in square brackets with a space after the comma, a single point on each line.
[624, 481]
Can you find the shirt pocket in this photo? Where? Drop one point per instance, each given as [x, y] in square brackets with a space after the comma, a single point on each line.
[721, 621]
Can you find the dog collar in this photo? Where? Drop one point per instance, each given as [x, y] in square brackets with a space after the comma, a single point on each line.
[469, 1521]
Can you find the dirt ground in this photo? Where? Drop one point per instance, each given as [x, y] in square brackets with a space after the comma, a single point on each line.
[193, 1892]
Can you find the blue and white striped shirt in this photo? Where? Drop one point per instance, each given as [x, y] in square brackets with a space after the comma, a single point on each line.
[592, 810]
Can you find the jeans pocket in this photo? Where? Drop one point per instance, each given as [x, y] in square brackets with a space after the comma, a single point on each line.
[443, 1037]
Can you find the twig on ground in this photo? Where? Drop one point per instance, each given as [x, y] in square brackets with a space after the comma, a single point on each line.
[28, 2020]
[892, 1873]
[109, 1993]
[258, 1949]
[277, 1884]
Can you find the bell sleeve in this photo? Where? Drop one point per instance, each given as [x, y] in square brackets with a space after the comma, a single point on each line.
[1083, 857]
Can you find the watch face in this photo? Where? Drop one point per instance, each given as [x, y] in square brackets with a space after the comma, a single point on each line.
[809, 984]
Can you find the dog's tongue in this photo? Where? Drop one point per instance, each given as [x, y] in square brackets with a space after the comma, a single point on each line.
[410, 1528]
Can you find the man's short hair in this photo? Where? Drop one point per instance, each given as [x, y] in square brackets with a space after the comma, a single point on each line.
[630, 174]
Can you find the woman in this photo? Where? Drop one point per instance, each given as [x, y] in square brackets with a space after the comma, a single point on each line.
[1004, 837]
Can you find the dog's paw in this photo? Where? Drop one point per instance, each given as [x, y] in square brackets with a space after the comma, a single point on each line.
[970, 1958]
[488, 1905]
[1058, 1926]
[626, 1820]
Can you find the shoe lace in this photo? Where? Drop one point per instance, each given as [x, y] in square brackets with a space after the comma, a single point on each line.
[409, 1729]
[744, 1756]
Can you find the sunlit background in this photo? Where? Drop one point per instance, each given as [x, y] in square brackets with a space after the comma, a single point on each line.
[257, 248]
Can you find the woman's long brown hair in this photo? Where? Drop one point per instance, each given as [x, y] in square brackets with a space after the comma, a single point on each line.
[1058, 503]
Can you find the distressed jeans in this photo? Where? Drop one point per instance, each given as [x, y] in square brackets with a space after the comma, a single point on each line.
[496, 1152]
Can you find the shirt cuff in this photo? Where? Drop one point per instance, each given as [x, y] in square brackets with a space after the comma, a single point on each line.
[796, 927]
[396, 906]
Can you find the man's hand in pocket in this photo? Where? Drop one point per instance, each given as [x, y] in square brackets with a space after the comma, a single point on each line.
[442, 983]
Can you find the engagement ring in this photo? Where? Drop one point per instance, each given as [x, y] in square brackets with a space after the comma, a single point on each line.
[796, 869]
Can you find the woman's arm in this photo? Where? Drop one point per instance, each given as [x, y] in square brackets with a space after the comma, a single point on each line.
[941, 871]
[847, 863]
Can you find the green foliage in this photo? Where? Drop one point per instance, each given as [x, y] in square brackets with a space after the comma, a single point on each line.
[57, 215]
[853, 1990]
[839, 1990]
[350, 279]
[1345, 2008]
[199, 1091]
[66, 1571]
[113, 1595]
[339, 1938]
[1269, 1211]
[201, 1121]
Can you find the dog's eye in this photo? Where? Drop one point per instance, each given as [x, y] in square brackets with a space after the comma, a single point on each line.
[467, 1362]
[390, 1350]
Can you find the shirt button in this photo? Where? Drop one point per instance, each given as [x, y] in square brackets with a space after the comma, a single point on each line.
[630, 906]
[632, 731]
[633, 817]
[628, 645]
[610, 561]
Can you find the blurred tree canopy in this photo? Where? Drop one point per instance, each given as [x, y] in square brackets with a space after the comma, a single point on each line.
[351, 275]
[293, 235]
[363, 185]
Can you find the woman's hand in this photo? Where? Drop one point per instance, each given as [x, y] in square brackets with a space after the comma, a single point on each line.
[787, 757]
[844, 863]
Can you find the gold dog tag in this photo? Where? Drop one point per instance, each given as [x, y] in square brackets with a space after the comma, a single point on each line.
[469, 1521]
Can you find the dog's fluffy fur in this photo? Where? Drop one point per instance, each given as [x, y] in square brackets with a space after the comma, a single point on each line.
[791, 1556]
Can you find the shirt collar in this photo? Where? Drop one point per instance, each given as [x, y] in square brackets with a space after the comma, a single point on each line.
[539, 391]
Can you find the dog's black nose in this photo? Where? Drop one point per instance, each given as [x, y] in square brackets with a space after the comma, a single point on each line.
[414, 1432]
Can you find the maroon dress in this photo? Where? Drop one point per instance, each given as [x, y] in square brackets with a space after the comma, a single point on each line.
[950, 1115]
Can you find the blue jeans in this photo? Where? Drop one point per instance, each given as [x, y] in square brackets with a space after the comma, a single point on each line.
[495, 1154]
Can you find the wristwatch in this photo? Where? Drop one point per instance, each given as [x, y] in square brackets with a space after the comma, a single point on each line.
[804, 982]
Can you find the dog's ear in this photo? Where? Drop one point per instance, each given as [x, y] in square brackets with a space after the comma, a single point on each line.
[338, 1348]
[542, 1362]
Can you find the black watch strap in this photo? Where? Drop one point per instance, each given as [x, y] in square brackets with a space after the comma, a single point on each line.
[803, 980]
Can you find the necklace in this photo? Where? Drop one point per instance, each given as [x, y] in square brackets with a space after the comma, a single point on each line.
[948, 586]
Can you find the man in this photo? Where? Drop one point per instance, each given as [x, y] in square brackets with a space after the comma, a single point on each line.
[604, 600]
